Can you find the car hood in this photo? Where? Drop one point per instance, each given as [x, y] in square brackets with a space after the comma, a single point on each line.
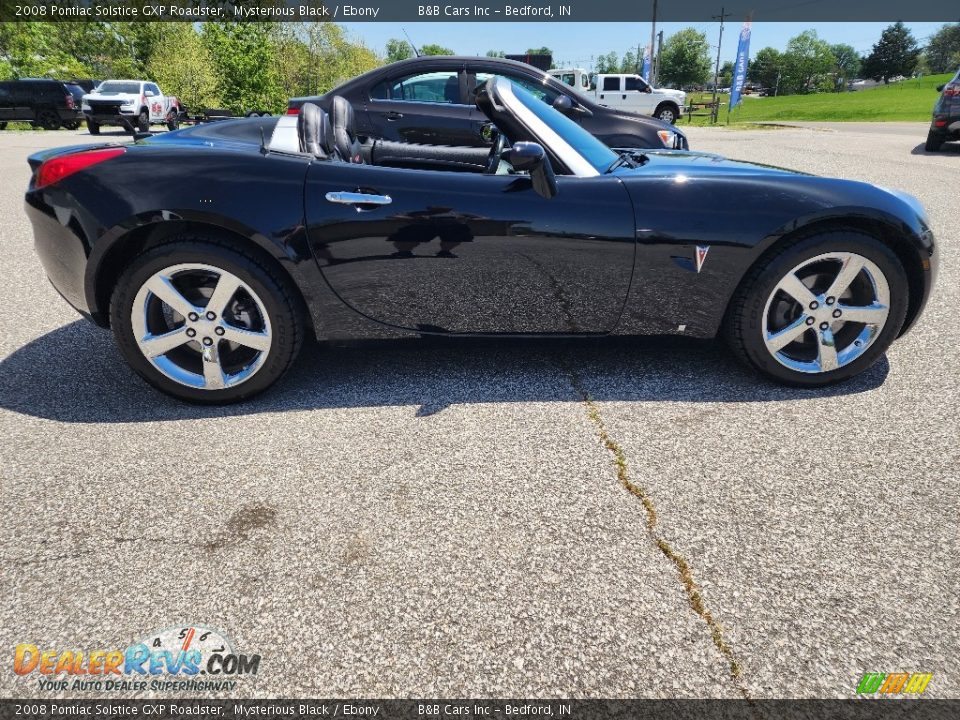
[690, 163]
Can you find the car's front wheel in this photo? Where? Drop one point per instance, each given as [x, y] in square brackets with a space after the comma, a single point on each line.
[668, 112]
[820, 310]
[204, 322]
[93, 128]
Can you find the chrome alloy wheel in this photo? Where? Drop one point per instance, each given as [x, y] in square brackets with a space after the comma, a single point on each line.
[826, 312]
[201, 326]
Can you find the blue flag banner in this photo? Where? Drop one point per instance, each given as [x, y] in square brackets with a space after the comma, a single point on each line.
[740, 68]
[645, 70]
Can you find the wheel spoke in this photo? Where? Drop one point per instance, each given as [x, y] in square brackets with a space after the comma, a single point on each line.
[875, 314]
[794, 331]
[797, 290]
[852, 265]
[161, 286]
[826, 350]
[223, 293]
[212, 371]
[248, 338]
[156, 345]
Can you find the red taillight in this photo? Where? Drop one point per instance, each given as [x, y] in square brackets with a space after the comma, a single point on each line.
[951, 90]
[56, 169]
[293, 111]
[940, 123]
[71, 105]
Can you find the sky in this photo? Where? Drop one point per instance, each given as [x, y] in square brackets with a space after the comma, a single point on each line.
[574, 44]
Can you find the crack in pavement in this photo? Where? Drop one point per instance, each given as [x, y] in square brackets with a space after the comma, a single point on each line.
[694, 593]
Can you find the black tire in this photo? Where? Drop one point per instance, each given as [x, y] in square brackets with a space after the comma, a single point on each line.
[934, 141]
[3, 126]
[744, 323]
[668, 112]
[48, 120]
[143, 121]
[72, 124]
[173, 120]
[283, 308]
[93, 128]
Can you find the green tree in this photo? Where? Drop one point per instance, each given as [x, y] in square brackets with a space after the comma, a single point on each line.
[435, 50]
[807, 63]
[609, 63]
[496, 53]
[34, 49]
[847, 66]
[398, 50]
[244, 58]
[539, 51]
[685, 59]
[182, 65]
[943, 50]
[766, 68]
[726, 74]
[629, 63]
[895, 53]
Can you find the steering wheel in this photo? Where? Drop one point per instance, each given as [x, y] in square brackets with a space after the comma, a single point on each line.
[493, 159]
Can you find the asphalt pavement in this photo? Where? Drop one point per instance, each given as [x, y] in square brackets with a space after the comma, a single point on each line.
[486, 519]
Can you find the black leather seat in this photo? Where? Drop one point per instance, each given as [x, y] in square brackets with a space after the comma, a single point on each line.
[344, 133]
[315, 132]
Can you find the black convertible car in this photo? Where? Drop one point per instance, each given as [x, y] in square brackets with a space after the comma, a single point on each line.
[213, 252]
[430, 100]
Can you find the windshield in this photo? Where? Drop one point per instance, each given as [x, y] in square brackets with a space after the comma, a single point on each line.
[592, 150]
[113, 87]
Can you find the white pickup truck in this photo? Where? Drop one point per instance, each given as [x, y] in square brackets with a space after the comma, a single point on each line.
[131, 104]
[625, 92]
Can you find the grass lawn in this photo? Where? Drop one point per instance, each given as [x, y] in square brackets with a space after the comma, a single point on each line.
[907, 100]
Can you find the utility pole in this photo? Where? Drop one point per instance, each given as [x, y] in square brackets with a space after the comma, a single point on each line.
[716, 74]
[655, 66]
[653, 39]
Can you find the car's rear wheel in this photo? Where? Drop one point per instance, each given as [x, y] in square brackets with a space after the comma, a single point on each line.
[173, 120]
[93, 128]
[934, 141]
[48, 120]
[668, 112]
[820, 310]
[205, 323]
[143, 121]
[72, 124]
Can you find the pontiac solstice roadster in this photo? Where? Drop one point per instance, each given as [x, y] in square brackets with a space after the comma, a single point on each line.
[213, 252]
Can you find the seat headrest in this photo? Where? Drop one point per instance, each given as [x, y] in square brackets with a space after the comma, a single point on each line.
[314, 131]
[344, 133]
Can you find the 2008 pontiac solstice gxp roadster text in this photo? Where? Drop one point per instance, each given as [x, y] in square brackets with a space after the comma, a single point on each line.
[212, 252]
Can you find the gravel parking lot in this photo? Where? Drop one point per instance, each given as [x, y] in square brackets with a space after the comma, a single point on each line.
[425, 519]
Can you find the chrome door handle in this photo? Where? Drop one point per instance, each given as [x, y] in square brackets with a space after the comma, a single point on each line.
[355, 198]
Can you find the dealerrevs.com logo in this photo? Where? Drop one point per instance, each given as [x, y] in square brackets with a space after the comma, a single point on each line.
[188, 659]
[893, 683]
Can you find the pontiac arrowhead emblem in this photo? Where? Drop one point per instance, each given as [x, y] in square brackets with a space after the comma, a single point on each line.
[702, 256]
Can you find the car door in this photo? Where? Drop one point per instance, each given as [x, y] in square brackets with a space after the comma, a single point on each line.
[426, 107]
[448, 252]
[7, 107]
[639, 99]
[610, 92]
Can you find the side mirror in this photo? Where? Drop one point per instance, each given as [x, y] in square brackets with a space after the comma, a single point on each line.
[647, 89]
[530, 157]
[149, 93]
[940, 88]
[563, 103]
